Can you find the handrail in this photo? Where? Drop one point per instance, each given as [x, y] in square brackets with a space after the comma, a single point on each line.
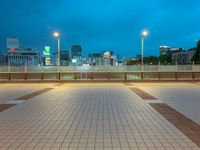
[125, 76]
[136, 68]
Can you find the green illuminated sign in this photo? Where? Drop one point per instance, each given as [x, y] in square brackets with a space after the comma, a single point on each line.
[47, 51]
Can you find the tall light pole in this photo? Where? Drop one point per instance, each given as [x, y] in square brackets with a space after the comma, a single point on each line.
[57, 35]
[144, 34]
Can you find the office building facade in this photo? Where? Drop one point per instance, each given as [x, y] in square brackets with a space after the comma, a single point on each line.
[64, 58]
[76, 55]
[95, 59]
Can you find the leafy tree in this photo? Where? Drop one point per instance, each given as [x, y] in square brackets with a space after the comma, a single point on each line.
[150, 60]
[196, 57]
[166, 59]
[133, 62]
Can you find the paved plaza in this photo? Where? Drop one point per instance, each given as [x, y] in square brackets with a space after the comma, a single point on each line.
[97, 116]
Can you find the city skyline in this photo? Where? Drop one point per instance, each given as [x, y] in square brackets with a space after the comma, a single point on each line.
[101, 25]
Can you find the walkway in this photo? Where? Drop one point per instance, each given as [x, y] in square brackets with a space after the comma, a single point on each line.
[92, 116]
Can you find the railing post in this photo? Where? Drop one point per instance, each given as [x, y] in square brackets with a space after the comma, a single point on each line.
[109, 75]
[59, 76]
[42, 75]
[9, 76]
[125, 76]
[142, 75]
[193, 75]
[159, 77]
[92, 75]
[176, 75]
[26, 75]
[75, 76]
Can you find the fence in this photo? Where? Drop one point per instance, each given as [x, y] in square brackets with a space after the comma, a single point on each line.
[127, 73]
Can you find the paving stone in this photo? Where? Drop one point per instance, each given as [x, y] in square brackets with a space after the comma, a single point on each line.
[105, 117]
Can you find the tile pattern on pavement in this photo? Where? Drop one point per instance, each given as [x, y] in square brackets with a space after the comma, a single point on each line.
[187, 126]
[31, 95]
[10, 103]
[5, 106]
[144, 95]
[185, 99]
[89, 118]
[11, 92]
[128, 84]
[190, 128]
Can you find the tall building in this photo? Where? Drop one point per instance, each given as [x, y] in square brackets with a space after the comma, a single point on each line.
[64, 58]
[164, 50]
[95, 59]
[76, 55]
[108, 58]
[115, 60]
[47, 56]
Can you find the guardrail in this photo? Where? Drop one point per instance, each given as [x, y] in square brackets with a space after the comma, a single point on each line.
[122, 73]
[153, 68]
[126, 76]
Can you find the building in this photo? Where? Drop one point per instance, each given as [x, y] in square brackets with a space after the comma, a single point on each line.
[116, 60]
[3, 60]
[108, 59]
[26, 57]
[191, 53]
[164, 50]
[176, 50]
[95, 59]
[76, 55]
[183, 57]
[47, 56]
[64, 58]
[85, 61]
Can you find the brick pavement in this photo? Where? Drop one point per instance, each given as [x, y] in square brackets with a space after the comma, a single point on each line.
[107, 118]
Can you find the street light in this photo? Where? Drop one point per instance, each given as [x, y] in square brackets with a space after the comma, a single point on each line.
[144, 34]
[57, 35]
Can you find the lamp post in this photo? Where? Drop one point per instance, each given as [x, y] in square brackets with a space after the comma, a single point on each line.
[144, 34]
[57, 35]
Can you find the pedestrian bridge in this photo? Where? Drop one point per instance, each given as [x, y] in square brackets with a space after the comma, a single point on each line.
[100, 73]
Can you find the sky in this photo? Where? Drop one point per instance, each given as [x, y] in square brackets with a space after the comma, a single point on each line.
[99, 25]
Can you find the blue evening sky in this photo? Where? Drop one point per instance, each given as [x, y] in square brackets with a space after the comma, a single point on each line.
[100, 25]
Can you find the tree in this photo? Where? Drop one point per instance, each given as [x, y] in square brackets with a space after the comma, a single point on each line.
[196, 57]
[166, 59]
[150, 60]
[133, 62]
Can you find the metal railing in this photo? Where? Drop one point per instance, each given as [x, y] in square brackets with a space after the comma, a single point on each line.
[147, 68]
[127, 73]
